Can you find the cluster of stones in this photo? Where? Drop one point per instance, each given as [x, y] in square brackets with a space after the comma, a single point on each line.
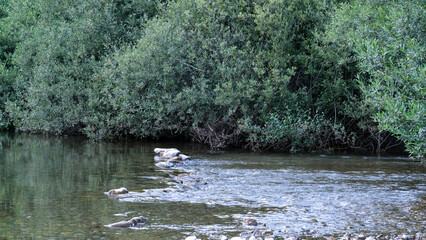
[168, 157]
[418, 236]
[165, 158]
[251, 235]
[269, 235]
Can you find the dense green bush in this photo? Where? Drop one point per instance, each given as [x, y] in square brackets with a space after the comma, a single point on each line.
[284, 74]
[212, 69]
[59, 44]
[387, 41]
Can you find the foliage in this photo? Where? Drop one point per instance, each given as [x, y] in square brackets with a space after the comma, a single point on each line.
[388, 43]
[60, 45]
[284, 74]
[194, 71]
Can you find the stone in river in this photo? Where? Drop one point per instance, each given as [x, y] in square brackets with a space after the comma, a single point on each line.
[117, 191]
[191, 238]
[250, 221]
[134, 222]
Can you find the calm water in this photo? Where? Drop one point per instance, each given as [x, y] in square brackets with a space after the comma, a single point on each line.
[53, 188]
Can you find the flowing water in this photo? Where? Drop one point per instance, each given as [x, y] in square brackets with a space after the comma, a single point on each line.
[54, 188]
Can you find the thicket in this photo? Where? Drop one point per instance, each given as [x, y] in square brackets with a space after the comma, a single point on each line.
[295, 75]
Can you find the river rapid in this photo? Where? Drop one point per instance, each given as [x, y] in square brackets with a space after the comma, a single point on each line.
[54, 187]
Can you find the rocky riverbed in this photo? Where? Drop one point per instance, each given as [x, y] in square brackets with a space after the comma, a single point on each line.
[190, 182]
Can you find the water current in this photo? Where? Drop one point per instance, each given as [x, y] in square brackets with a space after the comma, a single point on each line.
[54, 188]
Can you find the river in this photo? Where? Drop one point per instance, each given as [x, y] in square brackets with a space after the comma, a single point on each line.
[54, 188]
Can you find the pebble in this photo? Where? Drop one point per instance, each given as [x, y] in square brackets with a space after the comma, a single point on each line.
[191, 238]
[250, 221]
[236, 238]
[408, 237]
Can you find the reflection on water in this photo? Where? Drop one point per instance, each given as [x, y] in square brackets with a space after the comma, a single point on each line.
[53, 187]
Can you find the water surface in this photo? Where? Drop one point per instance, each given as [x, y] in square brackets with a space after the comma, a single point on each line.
[53, 187]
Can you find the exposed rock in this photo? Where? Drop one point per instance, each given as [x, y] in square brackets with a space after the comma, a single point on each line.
[159, 159]
[249, 221]
[134, 222]
[268, 232]
[159, 150]
[117, 191]
[169, 153]
[236, 238]
[164, 165]
[174, 160]
[407, 237]
[184, 157]
[191, 238]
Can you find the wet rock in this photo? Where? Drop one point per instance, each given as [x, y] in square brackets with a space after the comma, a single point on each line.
[249, 221]
[164, 165]
[184, 157]
[169, 153]
[134, 222]
[236, 238]
[268, 233]
[174, 160]
[160, 150]
[117, 191]
[159, 159]
[408, 237]
[191, 238]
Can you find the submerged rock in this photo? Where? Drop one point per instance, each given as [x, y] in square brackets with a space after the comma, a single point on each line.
[117, 191]
[134, 222]
[123, 214]
[249, 221]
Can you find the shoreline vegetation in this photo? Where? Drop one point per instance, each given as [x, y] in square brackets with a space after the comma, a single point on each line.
[286, 75]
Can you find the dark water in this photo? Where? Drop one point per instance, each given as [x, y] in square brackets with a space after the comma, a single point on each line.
[53, 188]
